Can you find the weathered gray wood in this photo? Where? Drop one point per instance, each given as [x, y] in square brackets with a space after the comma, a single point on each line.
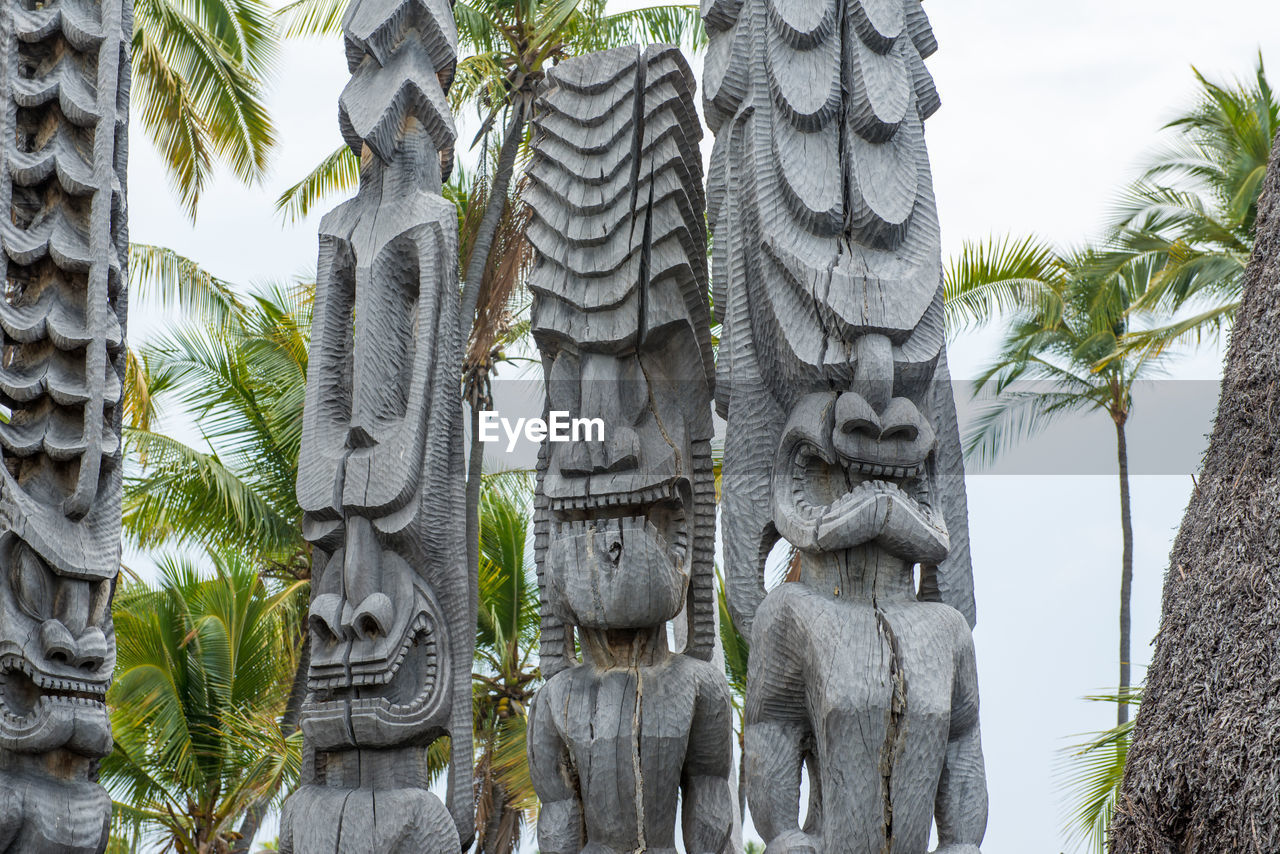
[625, 527]
[841, 436]
[64, 94]
[380, 468]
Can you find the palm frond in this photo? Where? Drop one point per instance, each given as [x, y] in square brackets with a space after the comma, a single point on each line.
[198, 71]
[1089, 776]
[339, 173]
[1013, 416]
[313, 17]
[188, 496]
[1002, 276]
[168, 279]
[672, 24]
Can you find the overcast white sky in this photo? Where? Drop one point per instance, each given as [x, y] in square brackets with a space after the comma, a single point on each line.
[1047, 107]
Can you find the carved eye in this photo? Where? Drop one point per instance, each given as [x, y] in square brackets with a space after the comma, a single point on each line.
[100, 602]
[31, 582]
[564, 384]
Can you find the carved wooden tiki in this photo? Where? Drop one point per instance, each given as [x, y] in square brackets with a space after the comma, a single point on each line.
[380, 472]
[841, 427]
[65, 84]
[625, 525]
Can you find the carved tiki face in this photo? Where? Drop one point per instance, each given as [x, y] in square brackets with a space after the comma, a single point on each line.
[622, 509]
[57, 646]
[374, 482]
[59, 507]
[845, 458]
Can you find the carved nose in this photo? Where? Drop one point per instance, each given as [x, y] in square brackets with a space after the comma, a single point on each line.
[372, 618]
[325, 617]
[854, 416]
[900, 419]
[873, 370]
[87, 652]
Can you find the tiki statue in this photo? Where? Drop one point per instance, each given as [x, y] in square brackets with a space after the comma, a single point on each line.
[841, 428]
[625, 525]
[380, 471]
[65, 86]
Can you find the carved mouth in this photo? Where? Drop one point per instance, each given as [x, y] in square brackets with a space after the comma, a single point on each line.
[660, 510]
[872, 470]
[375, 674]
[826, 506]
[28, 694]
[861, 478]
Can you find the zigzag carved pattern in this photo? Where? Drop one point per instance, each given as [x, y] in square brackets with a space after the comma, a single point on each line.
[402, 55]
[64, 248]
[616, 185]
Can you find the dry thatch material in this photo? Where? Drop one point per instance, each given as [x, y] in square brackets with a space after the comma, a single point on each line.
[1203, 772]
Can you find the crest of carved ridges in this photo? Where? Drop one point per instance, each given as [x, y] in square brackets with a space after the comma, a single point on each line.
[842, 438]
[380, 477]
[64, 80]
[625, 730]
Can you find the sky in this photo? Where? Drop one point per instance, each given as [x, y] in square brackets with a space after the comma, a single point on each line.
[1047, 110]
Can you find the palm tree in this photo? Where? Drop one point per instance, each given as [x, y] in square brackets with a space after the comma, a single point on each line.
[1059, 356]
[507, 629]
[1194, 209]
[239, 374]
[242, 383]
[202, 679]
[198, 87]
[510, 45]
[1090, 775]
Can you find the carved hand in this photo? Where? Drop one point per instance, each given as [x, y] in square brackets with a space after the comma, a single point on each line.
[792, 842]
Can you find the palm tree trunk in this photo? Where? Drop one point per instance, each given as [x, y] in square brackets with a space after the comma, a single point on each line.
[1126, 571]
[288, 726]
[481, 246]
[475, 470]
[1200, 774]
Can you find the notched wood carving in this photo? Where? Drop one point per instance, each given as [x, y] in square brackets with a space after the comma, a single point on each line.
[380, 471]
[625, 526]
[64, 79]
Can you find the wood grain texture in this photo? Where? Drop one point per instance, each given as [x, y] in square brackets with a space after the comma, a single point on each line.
[842, 435]
[623, 736]
[380, 468]
[64, 95]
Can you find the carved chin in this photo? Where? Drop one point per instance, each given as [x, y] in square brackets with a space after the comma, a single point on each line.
[618, 573]
[39, 714]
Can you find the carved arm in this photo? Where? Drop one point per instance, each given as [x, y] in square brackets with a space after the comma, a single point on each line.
[560, 823]
[960, 808]
[707, 811]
